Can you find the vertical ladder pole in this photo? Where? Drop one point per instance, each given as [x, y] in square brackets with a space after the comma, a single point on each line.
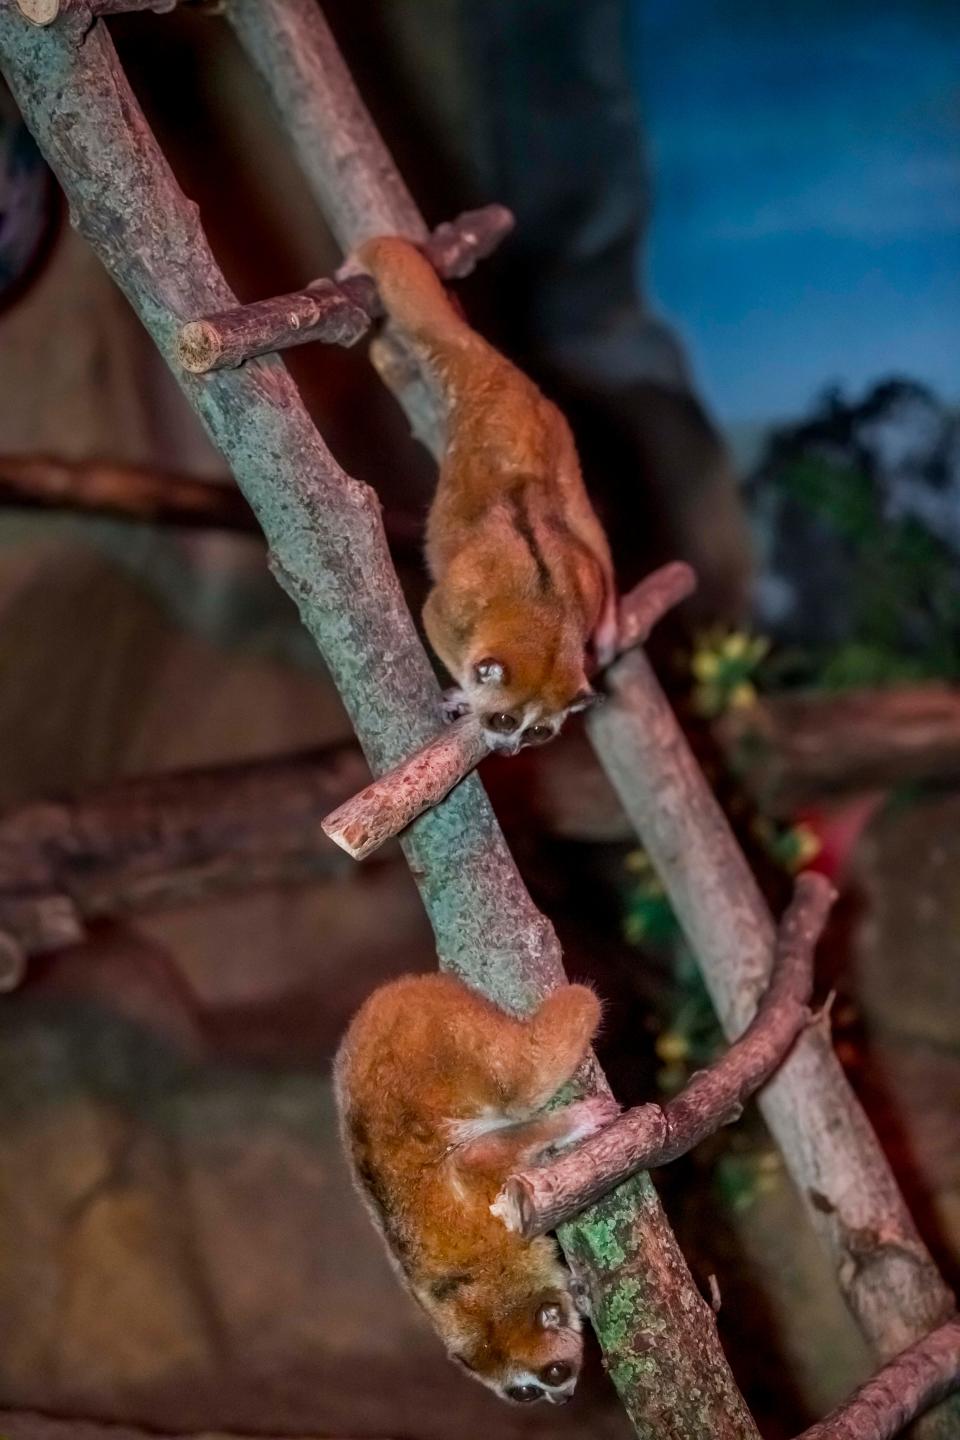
[885, 1272]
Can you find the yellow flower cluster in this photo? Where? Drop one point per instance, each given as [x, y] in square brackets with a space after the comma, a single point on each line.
[723, 665]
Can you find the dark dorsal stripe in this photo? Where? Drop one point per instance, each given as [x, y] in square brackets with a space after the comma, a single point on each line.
[524, 527]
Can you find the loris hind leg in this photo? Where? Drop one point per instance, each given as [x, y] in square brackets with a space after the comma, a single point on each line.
[549, 1048]
[530, 1141]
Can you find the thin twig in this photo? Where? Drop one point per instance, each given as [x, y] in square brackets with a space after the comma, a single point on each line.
[537, 1200]
[324, 311]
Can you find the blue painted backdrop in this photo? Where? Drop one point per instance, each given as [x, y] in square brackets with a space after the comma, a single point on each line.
[806, 168]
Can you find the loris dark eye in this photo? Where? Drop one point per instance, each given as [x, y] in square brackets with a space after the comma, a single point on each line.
[502, 723]
[538, 734]
[523, 1394]
[555, 1374]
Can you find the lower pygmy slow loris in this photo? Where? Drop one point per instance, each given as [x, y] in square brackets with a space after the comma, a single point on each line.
[441, 1096]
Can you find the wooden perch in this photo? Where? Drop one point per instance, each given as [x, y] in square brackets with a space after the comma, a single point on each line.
[884, 1271]
[902, 1390]
[163, 840]
[128, 492]
[792, 750]
[391, 803]
[45, 12]
[394, 800]
[324, 311]
[455, 246]
[650, 600]
[537, 1200]
[337, 312]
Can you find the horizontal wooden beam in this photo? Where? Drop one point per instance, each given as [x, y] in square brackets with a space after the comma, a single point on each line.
[45, 12]
[164, 840]
[336, 312]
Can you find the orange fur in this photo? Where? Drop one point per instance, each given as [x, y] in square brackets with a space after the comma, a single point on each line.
[521, 566]
[441, 1096]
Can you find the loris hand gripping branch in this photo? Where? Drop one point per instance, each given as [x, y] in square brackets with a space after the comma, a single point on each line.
[441, 1096]
[523, 602]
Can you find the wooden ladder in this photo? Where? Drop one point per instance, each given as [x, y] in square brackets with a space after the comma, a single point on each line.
[327, 548]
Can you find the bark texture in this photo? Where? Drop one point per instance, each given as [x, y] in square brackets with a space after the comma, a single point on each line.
[324, 312]
[389, 804]
[905, 1387]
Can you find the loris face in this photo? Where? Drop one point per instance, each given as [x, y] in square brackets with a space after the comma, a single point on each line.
[531, 1352]
[509, 721]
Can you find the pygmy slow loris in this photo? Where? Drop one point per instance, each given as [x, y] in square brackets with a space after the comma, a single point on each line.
[441, 1095]
[523, 603]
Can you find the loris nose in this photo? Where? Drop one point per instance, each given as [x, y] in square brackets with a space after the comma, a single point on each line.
[561, 1399]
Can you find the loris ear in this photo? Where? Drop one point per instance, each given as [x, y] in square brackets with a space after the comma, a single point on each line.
[550, 1317]
[489, 671]
[583, 700]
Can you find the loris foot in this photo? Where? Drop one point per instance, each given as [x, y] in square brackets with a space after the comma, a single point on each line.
[455, 705]
[584, 1118]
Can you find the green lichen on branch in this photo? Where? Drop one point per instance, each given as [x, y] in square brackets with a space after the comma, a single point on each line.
[652, 1330]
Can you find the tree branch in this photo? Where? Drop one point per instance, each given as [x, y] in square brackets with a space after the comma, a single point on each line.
[163, 840]
[45, 12]
[337, 312]
[659, 1338]
[821, 1128]
[128, 492]
[883, 1268]
[323, 311]
[792, 750]
[537, 1200]
[361, 824]
[906, 1386]
[647, 603]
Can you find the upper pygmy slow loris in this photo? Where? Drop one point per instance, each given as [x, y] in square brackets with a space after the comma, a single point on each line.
[441, 1096]
[523, 601]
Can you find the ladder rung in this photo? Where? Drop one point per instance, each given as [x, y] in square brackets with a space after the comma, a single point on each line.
[45, 12]
[337, 314]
